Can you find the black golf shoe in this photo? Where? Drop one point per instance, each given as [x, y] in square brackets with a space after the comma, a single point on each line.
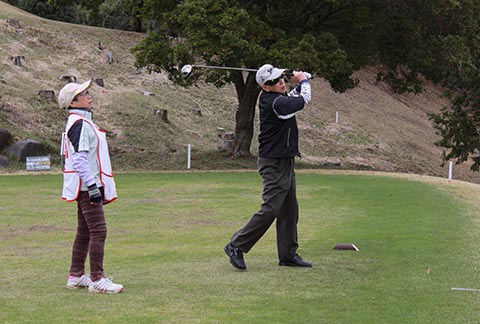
[236, 256]
[295, 262]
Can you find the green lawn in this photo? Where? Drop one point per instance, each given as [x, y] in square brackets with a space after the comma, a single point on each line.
[166, 238]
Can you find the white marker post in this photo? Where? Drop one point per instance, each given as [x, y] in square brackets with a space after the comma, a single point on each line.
[336, 117]
[189, 156]
[450, 170]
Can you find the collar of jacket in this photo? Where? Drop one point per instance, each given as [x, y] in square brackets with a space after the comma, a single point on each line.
[82, 112]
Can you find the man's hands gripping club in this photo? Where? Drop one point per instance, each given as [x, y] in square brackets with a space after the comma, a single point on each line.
[94, 194]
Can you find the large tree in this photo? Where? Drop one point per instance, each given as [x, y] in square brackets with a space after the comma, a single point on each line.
[409, 40]
[247, 34]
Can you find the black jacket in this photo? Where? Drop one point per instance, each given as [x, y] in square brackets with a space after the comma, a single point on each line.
[278, 136]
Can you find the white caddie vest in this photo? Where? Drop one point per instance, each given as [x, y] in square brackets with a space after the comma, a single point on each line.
[71, 180]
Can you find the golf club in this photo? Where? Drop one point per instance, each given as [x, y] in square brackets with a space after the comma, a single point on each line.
[187, 69]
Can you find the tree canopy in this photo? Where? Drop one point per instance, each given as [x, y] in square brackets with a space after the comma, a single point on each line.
[409, 40]
[246, 34]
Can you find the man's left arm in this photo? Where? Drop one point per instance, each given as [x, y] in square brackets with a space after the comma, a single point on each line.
[286, 107]
[304, 90]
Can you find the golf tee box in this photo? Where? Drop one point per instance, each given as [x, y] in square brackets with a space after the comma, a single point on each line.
[346, 246]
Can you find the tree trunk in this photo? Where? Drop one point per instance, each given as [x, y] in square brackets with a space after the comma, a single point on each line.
[247, 93]
[136, 23]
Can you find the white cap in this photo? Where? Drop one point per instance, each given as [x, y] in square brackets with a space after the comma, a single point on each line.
[70, 90]
[268, 72]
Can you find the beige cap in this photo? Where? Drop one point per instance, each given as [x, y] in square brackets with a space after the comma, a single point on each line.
[70, 90]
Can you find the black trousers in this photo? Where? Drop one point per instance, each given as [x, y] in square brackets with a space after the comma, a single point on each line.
[280, 203]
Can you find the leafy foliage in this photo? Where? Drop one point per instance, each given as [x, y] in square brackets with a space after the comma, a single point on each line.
[411, 40]
[246, 34]
[227, 33]
[45, 9]
[115, 14]
[457, 68]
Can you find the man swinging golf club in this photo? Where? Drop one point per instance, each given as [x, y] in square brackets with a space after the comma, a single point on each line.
[278, 147]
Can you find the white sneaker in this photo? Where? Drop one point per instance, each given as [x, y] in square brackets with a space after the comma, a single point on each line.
[104, 286]
[78, 282]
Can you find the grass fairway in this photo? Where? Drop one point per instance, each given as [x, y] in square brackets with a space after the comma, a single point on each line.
[166, 238]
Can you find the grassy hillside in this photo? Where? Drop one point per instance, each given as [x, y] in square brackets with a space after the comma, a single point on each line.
[377, 129]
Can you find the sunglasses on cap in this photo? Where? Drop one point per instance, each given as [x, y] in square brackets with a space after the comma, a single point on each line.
[81, 94]
[274, 81]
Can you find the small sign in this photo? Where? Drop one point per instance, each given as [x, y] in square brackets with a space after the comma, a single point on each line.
[38, 163]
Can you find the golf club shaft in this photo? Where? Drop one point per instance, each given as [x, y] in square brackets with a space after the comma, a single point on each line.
[225, 68]
[289, 73]
[187, 69]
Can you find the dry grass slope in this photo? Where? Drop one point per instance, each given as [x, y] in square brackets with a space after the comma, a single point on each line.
[377, 129]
